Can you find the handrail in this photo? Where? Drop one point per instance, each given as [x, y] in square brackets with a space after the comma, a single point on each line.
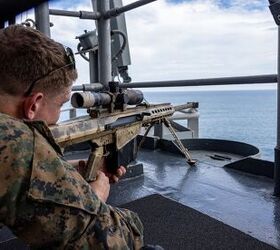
[257, 79]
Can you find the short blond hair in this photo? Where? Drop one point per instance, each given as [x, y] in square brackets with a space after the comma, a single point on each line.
[27, 55]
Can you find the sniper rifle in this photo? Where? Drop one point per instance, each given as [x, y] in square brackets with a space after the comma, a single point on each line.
[109, 130]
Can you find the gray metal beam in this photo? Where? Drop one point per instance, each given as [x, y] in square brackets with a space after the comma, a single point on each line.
[119, 25]
[80, 14]
[205, 82]
[277, 148]
[278, 91]
[259, 79]
[104, 43]
[42, 18]
[93, 66]
[118, 11]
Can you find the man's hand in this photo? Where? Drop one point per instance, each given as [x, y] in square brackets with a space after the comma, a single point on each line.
[101, 186]
[80, 165]
[115, 177]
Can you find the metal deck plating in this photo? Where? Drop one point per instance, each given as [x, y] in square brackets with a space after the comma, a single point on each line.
[243, 201]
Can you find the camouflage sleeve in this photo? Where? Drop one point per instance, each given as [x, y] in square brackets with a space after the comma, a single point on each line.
[15, 160]
[60, 227]
[63, 212]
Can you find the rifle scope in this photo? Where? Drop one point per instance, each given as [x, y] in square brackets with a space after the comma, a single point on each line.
[92, 99]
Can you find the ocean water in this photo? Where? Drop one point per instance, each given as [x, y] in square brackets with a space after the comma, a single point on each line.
[246, 116]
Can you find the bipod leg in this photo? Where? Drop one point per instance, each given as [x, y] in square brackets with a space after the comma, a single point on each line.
[144, 136]
[178, 143]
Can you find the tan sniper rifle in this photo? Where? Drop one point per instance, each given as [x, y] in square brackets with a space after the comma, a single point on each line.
[114, 129]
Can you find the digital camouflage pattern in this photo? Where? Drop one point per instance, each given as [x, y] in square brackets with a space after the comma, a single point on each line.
[46, 202]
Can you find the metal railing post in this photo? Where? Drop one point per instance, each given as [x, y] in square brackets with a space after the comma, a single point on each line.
[277, 148]
[275, 10]
[104, 43]
[42, 18]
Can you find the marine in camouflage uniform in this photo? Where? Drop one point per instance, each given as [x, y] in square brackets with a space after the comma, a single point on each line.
[47, 203]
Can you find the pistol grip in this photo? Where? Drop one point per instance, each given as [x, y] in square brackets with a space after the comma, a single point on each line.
[93, 164]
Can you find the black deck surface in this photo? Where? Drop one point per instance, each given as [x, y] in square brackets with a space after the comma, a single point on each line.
[175, 226]
[240, 200]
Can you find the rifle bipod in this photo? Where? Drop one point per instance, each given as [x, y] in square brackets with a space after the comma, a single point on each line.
[178, 143]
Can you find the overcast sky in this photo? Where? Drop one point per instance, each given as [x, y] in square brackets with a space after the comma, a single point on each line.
[184, 39]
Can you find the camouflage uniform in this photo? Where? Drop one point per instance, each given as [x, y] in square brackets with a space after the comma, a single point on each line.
[46, 202]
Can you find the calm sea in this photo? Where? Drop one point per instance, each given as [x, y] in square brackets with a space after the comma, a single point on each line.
[246, 116]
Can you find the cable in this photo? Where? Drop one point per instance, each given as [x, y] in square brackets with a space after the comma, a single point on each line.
[113, 32]
[81, 53]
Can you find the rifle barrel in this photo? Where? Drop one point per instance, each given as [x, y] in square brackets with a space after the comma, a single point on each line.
[186, 106]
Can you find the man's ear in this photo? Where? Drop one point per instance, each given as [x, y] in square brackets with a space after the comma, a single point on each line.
[32, 105]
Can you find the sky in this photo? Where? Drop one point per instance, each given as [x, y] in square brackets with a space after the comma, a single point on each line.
[187, 39]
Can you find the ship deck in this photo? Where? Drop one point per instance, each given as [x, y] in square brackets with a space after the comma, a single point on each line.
[241, 200]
